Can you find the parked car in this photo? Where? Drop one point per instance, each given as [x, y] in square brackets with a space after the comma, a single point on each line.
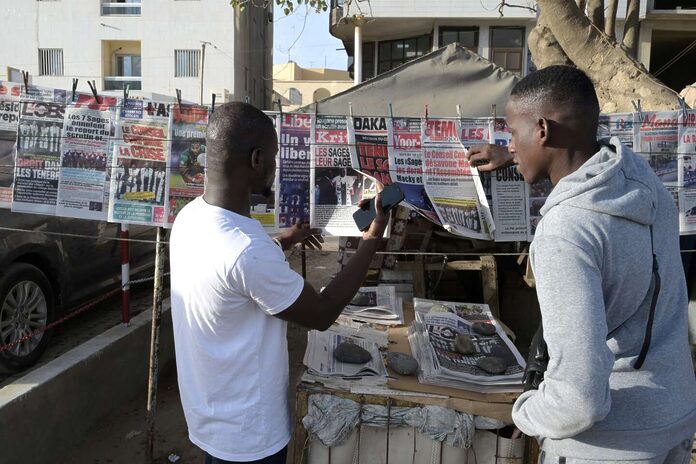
[42, 275]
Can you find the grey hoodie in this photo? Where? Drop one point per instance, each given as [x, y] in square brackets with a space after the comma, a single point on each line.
[591, 257]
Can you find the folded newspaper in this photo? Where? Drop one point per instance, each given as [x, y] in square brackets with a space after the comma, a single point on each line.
[378, 305]
[432, 339]
[320, 361]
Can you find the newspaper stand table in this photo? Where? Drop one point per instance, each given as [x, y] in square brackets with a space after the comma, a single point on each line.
[496, 406]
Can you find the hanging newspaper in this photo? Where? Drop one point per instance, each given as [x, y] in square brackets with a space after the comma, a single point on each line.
[455, 191]
[406, 164]
[337, 186]
[139, 165]
[368, 137]
[687, 172]
[37, 167]
[87, 134]
[656, 140]
[475, 132]
[263, 207]
[536, 198]
[492, 362]
[9, 118]
[187, 126]
[293, 196]
[508, 193]
[616, 125]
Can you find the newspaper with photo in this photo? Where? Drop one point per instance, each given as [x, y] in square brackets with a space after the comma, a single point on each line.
[88, 132]
[378, 305]
[263, 207]
[454, 188]
[476, 131]
[320, 361]
[337, 188]
[508, 192]
[656, 139]
[618, 125]
[9, 118]
[37, 162]
[367, 138]
[187, 126]
[687, 172]
[293, 186]
[139, 175]
[432, 339]
[536, 198]
[406, 164]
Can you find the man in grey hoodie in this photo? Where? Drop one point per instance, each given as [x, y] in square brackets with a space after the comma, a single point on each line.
[592, 258]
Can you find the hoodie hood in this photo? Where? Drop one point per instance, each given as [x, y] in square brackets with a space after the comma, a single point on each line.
[614, 181]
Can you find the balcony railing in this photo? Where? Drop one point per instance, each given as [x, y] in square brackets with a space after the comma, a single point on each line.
[121, 9]
[120, 82]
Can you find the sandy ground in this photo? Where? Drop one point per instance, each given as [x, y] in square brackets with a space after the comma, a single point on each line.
[121, 437]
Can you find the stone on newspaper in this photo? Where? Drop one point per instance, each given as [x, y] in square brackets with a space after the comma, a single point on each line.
[464, 344]
[402, 363]
[351, 353]
[492, 364]
[439, 308]
[360, 299]
[483, 328]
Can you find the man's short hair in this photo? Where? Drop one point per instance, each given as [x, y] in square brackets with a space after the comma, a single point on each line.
[559, 87]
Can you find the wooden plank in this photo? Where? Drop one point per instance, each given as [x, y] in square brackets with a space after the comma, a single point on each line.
[373, 445]
[489, 279]
[300, 434]
[425, 448]
[318, 453]
[468, 265]
[401, 445]
[452, 455]
[344, 453]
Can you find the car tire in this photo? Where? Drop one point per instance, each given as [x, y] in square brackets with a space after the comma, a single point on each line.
[26, 305]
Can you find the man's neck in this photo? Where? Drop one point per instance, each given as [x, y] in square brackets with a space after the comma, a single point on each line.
[567, 161]
[236, 201]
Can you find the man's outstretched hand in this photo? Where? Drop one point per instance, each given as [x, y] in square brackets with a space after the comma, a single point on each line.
[489, 157]
[301, 233]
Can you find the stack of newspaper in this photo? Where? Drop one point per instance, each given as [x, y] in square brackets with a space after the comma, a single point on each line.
[432, 340]
[378, 305]
[320, 361]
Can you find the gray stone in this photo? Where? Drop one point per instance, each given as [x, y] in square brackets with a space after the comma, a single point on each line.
[464, 344]
[402, 364]
[360, 299]
[492, 364]
[439, 308]
[483, 328]
[351, 353]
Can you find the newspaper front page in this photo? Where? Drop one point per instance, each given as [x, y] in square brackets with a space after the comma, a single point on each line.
[188, 124]
[139, 176]
[687, 172]
[618, 125]
[319, 357]
[508, 193]
[476, 132]
[263, 207]
[337, 187]
[449, 180]
[37, 167]
[85, 157]
[293, 169]
[406, 164]
[367, 137]
[656, 139]
[9, 119]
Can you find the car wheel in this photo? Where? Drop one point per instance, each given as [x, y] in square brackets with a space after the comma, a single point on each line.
[26, 305]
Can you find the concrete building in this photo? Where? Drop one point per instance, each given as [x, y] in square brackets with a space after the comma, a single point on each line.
[297, 86]
[393, 32]
[156, 46]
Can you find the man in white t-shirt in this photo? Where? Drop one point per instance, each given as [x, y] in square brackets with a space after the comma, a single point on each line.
[233, 291]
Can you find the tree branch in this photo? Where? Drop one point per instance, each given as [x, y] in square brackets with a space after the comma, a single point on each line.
[504, 4]
[595, 11]
[610, 23]
[581, 4]
[630, 39]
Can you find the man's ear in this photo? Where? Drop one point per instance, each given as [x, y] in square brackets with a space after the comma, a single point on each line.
[256, 159]
[543, 130]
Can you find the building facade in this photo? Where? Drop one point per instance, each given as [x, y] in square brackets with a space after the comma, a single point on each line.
[396, 31]
[297, 86]
[156, 46]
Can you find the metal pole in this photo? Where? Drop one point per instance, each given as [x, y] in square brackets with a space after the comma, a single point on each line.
[125, 275]
[357, 54]
[202, 69]
[154, 344]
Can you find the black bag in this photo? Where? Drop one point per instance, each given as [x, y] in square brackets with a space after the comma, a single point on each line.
[537, 361]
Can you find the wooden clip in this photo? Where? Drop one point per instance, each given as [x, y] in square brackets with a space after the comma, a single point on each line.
[74, 87]
[93, 88]
[494, 112]
[178, 97]
[280, 106]
[683, 108]
[426, 112]
[126, 91]
[247, 100]
[350, 109]
[25, 75]
[212, 106]
[459, 111]
[639, 110]
[316, 108]
[391, 110]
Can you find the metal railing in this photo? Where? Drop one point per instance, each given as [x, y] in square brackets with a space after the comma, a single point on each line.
[131, 8]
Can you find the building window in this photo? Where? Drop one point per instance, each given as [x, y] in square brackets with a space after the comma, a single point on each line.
[50, 61]
[121, 7]
[394, 53]
[128, 66]
[321, 93]
[507, 47]
[186, 63]
[467, 37]
[368, 60]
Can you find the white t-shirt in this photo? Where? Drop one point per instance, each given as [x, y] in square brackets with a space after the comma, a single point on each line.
[228, 279]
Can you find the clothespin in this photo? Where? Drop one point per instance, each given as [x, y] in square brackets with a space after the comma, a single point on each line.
[178, 97]
[426, 112]
[280, 106]
[459, 111]
[639, 110]
[126, 91]
[391, 110]
[682, 107]
[494, 112]
[25, 75]
[212, 107]
[93, 88]
[316, 108]
[350, 109]
[247, 100]
[74, 87]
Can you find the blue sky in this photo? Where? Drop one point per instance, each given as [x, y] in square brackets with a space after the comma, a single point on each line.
[312, 45]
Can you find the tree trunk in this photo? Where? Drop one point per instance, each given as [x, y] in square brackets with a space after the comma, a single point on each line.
[544, 47]
[610, 22]
[630, 38]
[618, 77]
[581, 4]
[595, 11]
